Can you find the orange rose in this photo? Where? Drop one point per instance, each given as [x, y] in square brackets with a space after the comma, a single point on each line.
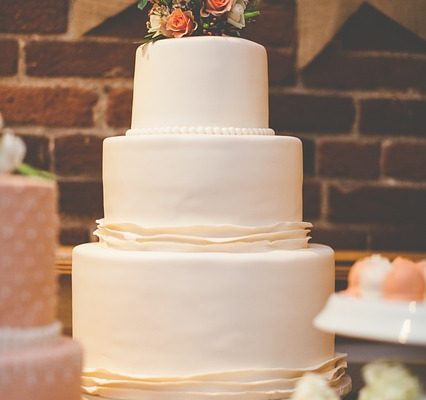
[180, 23]
[216, 7]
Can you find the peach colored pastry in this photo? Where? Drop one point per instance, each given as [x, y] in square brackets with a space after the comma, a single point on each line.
[376, 277]
[354, 278]
[421, 265]
[404, 281]
[367, 275]
[35, 361]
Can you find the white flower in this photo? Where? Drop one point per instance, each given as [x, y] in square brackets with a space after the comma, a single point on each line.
[313, 387]
[155, 23]
[389, 381]
[236, 15]
[12, 152]
[157, 20]
[373, 276]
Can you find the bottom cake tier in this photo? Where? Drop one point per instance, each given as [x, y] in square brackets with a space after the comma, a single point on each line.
[174, 324]
[46, 372]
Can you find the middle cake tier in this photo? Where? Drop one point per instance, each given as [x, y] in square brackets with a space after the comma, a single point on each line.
[196, 180]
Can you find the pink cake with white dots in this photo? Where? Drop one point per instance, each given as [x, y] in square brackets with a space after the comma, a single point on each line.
[36, 362]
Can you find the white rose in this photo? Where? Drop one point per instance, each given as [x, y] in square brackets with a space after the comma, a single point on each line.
[313, 387]
[389, 381]
[373, 276]
[155, 24]
[236, 15]
[12, 152]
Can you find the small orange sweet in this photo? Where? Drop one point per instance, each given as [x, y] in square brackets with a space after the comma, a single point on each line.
[354, 278]
[422, 265]
[404, 281]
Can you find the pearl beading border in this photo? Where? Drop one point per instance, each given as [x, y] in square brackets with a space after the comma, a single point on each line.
[200, 130]
[19, 337]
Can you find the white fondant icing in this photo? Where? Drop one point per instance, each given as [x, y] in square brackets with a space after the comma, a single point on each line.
[184, 180]
[166, 313]
[186, 82]
[193, 292]
[200, 130]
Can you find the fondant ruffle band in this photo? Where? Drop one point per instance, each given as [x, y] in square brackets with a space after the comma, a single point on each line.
[200, 130]
[230, 238]
[253, 384]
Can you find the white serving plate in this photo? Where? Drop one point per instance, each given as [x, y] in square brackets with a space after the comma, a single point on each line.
[388, 321]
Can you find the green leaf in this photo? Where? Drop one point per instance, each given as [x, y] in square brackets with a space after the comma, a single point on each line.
[142, 4]
[28, 170]
[251, 14]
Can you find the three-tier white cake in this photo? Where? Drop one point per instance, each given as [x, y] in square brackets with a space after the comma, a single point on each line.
[203, 283]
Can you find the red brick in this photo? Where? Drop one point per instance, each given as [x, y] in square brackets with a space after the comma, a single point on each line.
[311, 113]
[275, 25]
[369, 29]
[38, 154]
[358, 159]
[398, 238]
[281, 66]
[393, 117]
[119, 111]
[371, 204]
[33, 16]
[83, 199]
[47, 106]
[405, 160]
[9, 57]
[311, 200]
[83, 59]
[89, 160]
[74, 235]
[340, 237]
[130, 23]
[353, 70]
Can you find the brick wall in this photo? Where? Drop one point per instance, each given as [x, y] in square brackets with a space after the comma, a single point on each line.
[360, 109]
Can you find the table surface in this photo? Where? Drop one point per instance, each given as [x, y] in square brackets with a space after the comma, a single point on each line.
[344, 259]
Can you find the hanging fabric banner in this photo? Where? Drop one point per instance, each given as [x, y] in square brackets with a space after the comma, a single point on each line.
[317, 20]
[88, 14]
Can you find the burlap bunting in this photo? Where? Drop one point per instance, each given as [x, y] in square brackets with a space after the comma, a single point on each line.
[317, 20]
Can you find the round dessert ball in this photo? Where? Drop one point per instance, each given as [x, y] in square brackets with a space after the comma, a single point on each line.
[354, 278]
[405, 281]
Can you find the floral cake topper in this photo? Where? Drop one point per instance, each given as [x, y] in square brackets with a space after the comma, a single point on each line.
[179, 18]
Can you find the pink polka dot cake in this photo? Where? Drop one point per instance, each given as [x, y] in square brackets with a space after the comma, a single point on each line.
[36, 362]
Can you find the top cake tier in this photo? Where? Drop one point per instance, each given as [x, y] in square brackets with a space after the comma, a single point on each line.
[201, 85]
